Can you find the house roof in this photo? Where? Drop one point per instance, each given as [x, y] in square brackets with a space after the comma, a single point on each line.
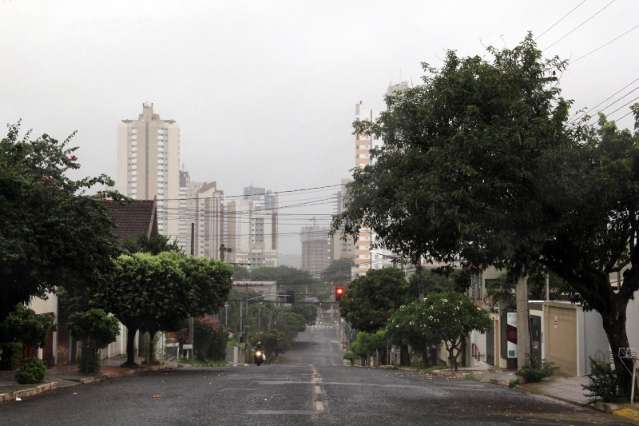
[133, 219]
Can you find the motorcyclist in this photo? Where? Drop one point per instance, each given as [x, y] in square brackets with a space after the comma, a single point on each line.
[260, 355]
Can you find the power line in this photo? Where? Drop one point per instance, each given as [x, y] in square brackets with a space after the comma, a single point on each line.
[253, 195]
[559, 20]
[590, 18]
[624, 105]
[608, 43]
[608, 98]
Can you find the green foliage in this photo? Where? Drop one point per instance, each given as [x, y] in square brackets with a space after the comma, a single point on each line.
[11, 355]
[536, 373]
[411, 325]
[371, 300]
[27, 327]
[95, 325]
[604, 383]
[427, 281]
[210, 340]
[96, 329]
[290, 279]
[154, 245]
[157, 292]
[52, 233]
[367, 344]
[481, 163]
[307, 311]
[338, 271]
[32, 371]
[451, 317]
[349, 356]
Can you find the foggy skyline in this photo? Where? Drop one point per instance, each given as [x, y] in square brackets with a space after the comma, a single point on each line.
[264, 94]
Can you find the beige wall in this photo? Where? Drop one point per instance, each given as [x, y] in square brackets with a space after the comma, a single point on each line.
[560, 338]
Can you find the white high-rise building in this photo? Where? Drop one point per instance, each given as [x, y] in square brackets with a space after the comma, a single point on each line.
[251, 228]
[149, 165]
[204, 219]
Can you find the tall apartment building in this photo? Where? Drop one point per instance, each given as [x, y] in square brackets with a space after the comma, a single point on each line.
[363, 146]
[341, 246]
[251, 228]
[315, 249]
[204, 219]
[148, 165]
[184, 223]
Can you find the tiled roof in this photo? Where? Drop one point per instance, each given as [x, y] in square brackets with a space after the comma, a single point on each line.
[133, 219]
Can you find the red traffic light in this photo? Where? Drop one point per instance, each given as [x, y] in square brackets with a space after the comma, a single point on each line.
[339, 293]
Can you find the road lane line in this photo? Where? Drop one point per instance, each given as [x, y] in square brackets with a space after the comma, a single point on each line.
[319, 403]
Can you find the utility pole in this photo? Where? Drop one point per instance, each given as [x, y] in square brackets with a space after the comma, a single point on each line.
[523, 329]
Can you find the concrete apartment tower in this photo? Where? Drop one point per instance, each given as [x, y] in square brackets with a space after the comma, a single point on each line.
[315, 249]
[251, 228]
[204, 219]
[363, 146]
[149, 165]
[341, 245]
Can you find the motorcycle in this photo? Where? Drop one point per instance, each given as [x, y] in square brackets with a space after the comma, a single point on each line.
[259, 357]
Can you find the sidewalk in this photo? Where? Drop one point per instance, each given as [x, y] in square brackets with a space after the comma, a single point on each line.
[64, 376]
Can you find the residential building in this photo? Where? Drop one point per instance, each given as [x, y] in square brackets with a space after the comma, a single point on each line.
[251, 228]
[341, 246]
[148, 165]
[184, 217]
[315, 249]
[203, 219]
[363, 146]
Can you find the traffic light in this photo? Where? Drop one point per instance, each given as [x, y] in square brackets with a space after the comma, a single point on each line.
[339, 293]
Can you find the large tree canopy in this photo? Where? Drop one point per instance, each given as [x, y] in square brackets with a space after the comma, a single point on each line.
[370, 300]
[51, 232]
[481, 165]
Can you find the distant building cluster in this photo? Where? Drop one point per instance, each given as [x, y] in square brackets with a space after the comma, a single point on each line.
[241, 229]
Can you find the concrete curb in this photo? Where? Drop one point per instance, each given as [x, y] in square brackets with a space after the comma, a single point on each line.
[28, 392]
[47, 387]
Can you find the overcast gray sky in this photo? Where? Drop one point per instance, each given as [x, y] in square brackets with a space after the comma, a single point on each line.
[264, 91]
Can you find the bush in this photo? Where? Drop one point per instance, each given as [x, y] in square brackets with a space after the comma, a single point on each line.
[603, 382]
[210, 340]
[32, 371]
[11, 355]
[534, 373]
[349, 356]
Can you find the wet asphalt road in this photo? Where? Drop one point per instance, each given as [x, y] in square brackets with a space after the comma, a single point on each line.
[308, 386]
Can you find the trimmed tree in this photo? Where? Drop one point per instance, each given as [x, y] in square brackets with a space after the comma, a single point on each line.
[95, 329]
[156, 292]
[410, 325]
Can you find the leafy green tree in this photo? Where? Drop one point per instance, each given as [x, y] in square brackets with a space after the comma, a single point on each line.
[95, 329]
[479, 163]
[338, 271]
[22, 327]
[52, 233]
[156, 292]
[410, 325]
[307, 311]
[368, 344]
[451, 317]
[426, 281]
[371, 300]
[154, 245]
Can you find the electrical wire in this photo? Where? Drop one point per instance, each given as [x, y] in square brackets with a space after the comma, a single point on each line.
[559, 20]
[606, 44]
[590, 18]
[581, 113]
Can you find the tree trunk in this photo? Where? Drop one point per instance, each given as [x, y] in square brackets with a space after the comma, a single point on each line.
[404, 357]
[130, 347]
[523, 331]
[150, 353]
[614, 324]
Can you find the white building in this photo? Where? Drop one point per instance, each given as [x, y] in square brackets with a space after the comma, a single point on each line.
[203, 219]
[148, 165]
[251, 228]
